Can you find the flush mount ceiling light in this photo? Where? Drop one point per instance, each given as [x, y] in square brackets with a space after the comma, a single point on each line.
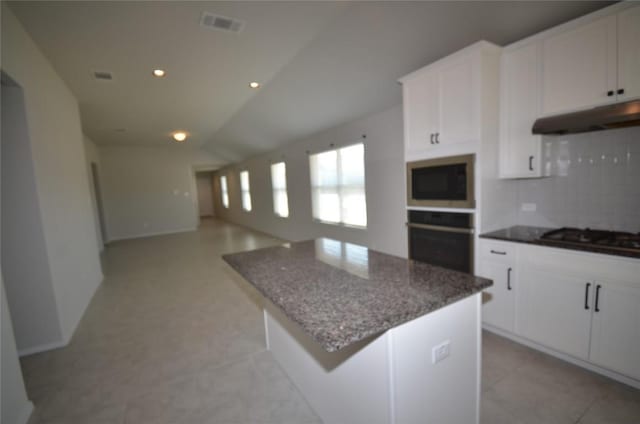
[179, 136]
[159, 73]
[254, 84]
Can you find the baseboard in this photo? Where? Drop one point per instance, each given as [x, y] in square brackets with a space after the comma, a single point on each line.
[568, 358]
[26, 413]
[159, 233]
[42, 348]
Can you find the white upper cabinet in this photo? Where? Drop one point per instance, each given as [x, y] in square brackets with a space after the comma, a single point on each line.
[442, 103]
[458, 100]
[520, 106]
[580, 67]
[421, 111]
[629, 54]
[592, 65]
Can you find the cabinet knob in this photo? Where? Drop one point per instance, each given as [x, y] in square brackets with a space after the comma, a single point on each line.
[621, 91]
[437, 141]
[530, 163]
[431, 138]
[610, 93]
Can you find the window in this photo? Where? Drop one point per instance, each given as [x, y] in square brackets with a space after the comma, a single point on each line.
[337, 186]
[279, 185]
[224, 191]
[244, 189]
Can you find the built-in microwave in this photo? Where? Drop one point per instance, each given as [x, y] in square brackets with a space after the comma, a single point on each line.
[442, 182]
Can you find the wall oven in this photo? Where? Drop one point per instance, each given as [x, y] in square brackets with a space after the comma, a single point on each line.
[443, 182]
[442, 238]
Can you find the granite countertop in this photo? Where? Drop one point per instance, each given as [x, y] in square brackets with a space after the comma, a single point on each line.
[531, 235]
[518, 233]
[341, 293]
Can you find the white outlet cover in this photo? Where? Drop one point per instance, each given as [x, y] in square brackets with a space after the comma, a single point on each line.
[440, 352]
[529, 207]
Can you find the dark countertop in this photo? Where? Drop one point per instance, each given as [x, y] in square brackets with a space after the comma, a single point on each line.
[340, 293]
[518, 233]
[526, 234]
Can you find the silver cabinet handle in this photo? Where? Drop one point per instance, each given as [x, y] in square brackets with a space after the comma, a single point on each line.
[440, 228]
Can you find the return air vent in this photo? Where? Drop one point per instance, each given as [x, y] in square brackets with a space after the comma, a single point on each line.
[102, 75]
[221, 23]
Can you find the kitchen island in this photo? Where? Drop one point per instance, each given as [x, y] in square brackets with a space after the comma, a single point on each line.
[368, 337]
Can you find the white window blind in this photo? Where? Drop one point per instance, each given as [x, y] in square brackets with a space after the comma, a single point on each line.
[279, 186]
[337, 186]
[244, 189]
[224, 191]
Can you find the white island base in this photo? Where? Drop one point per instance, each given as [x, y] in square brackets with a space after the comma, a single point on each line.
[389, 378]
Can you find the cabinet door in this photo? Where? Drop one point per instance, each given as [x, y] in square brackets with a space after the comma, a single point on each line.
[459, 97]
[420, 97]
[519, 108]
[551, 309]
[580, 67]
[629, 53]
[498, 308]
[615, 337]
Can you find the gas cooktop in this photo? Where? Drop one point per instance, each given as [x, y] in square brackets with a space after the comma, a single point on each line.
[587, 237]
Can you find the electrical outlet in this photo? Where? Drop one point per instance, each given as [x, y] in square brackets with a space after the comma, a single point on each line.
[440, 352]
[529, 207]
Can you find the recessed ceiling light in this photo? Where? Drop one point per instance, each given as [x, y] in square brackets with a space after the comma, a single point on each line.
[254, 84]
[179, 136]
[159, 73]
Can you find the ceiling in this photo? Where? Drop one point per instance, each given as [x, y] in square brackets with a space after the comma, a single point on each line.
[320, 63]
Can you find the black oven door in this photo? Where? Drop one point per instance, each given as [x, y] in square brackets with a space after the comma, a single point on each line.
[446, 247]
[444, 182]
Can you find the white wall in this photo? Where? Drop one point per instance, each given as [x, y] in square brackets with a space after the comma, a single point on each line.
[15, 407]
[205, 194]
[60, 169]
[385, 186]
[150, 190]
[91, 152]
[24, 256]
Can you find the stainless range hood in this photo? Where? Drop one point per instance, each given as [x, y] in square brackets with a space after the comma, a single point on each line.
[600, 118]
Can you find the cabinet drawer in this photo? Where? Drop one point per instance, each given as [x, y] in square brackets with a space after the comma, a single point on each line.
[497, 250]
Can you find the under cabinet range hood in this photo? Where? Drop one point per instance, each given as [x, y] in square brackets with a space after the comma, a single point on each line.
[600, 118]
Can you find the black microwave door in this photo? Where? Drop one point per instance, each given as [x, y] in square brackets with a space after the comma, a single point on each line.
[442, 248]
[446, 182]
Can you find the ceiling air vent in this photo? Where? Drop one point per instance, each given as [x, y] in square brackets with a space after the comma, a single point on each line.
[102, 75]
[220, 23]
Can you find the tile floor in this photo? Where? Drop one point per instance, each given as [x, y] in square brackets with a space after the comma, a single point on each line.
[173, 336]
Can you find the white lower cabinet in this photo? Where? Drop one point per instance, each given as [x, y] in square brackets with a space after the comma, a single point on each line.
[498, 301]
[583, 305]
[551, 309]
[615, 329]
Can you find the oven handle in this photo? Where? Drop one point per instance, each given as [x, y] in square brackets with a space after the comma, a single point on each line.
[440, 228]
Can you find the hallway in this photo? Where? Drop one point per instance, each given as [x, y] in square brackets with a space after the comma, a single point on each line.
[173, 336]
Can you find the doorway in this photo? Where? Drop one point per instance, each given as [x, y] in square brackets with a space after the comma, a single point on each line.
[204, 186]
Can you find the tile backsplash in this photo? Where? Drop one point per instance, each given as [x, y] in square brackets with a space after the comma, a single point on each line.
[593, 181]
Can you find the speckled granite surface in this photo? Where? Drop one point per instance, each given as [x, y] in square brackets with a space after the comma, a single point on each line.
[526, 234]
[340, 293]
[518, 233]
